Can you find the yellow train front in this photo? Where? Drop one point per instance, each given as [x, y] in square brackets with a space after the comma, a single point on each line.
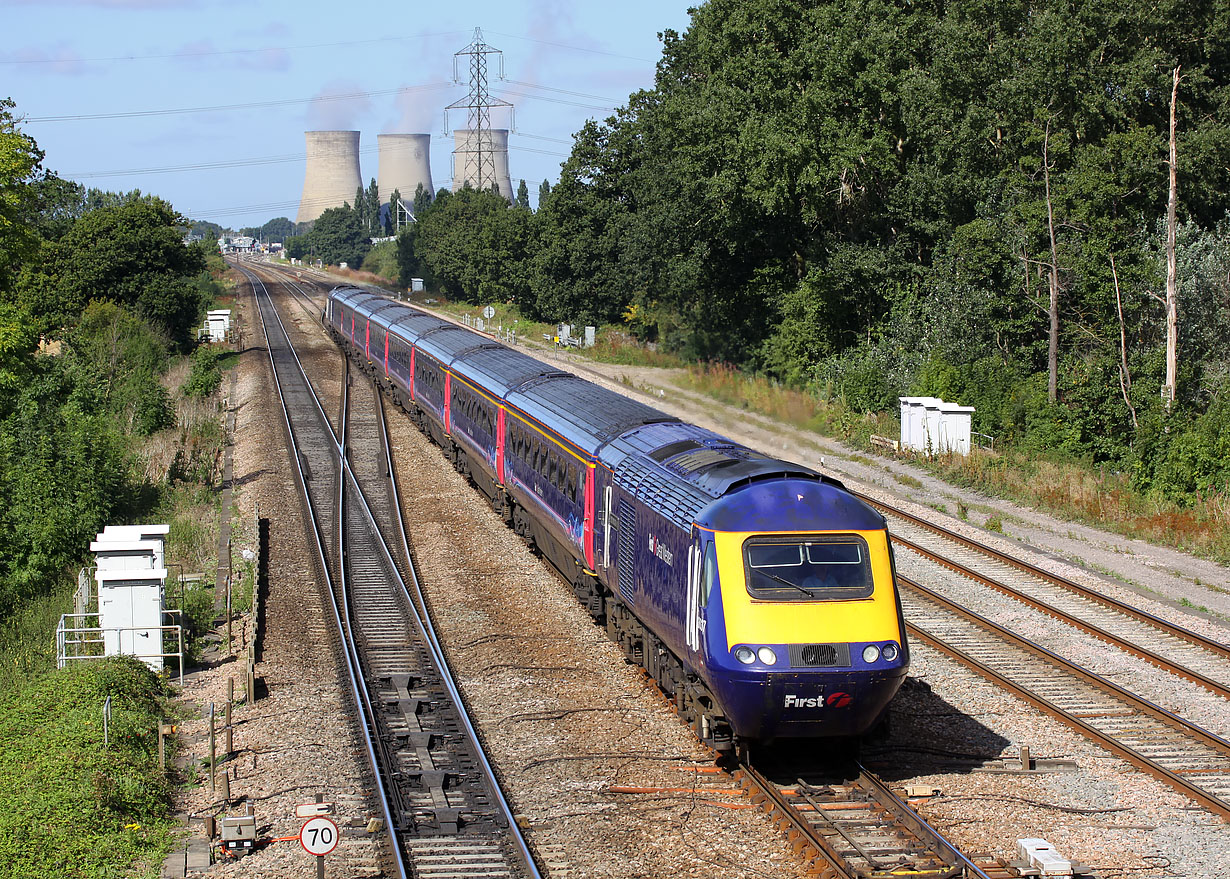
[797, 628]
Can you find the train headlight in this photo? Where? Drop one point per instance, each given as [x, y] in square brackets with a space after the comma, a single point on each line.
[767, 656]
[871, 653]
[889, 652]
[745, 655]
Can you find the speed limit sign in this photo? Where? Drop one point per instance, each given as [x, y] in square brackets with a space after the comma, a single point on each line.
[318, 836]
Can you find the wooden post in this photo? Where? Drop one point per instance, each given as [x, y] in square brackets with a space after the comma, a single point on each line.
[213, 762]
[226, 727]
[251, 675]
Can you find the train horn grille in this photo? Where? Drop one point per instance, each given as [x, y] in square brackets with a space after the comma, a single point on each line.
[819, 655]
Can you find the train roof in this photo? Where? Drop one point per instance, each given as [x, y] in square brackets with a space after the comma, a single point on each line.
[585, 414]
[363, 302]
[501, 369]
[681, 469]
[446, 342]
[345, 293]
[791, 504]
[382, 314]
[412, 324]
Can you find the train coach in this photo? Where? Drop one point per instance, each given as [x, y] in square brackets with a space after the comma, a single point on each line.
[759, 594]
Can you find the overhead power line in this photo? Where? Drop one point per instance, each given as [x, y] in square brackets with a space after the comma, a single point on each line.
[259, 105]
[278, 160]
[547, 88]
[215, 52]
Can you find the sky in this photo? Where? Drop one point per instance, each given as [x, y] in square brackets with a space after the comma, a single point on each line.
[205, 103]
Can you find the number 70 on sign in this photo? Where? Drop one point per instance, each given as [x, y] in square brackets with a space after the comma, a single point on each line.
[319, 836]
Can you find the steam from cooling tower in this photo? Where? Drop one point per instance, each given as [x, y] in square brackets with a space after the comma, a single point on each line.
[405, 162]
[480, 158]
[332, 175]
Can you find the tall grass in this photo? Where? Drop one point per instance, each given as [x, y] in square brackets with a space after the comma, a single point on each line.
[27, 640]
[814, 411]
[1080, 492]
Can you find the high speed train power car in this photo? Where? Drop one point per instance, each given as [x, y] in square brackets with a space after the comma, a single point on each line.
[759, 594]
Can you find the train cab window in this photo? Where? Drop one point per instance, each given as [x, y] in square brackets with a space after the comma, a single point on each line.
[710, 581]
[808, 567]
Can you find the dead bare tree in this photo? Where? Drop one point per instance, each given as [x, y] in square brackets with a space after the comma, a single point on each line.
[1125, 377]
[1172, 292]
[1052, 350]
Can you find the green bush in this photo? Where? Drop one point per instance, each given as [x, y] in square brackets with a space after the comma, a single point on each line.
[70, 806]
[382, 260]
[206, 374]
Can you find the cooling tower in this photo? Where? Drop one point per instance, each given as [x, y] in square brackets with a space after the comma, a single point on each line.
[332, 174]
[494, 155]
[405, 162]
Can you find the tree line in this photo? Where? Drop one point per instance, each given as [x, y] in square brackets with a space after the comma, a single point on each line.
[97, 292]
[869, 199]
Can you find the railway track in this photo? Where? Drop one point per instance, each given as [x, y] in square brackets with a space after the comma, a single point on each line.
[840, 820]
[437, 791]
[1186, 757]
[1171, 647]
[850, 825]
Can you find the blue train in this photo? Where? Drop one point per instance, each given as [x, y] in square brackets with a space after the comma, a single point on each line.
[760, 595]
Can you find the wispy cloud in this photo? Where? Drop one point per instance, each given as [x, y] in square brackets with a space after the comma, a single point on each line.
[48, 59]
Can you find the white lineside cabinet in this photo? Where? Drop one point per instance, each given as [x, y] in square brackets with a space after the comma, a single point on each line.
[131, 574]
[130, 612]
[934, 427]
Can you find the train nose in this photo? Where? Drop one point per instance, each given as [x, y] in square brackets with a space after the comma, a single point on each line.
[808, 705]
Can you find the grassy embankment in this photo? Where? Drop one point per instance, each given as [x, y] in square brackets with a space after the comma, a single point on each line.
[1072, 490]
[69, 806]
[70, 803]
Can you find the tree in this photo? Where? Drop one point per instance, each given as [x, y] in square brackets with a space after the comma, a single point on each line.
[371, 203]
[277, 229]
[422, 199]
[296, 246]
[338, 237]
[544, 190]
[1172, 297]
[523, 196]
[132, 254]
[19, 164]
[475, 245]
[396, 214]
